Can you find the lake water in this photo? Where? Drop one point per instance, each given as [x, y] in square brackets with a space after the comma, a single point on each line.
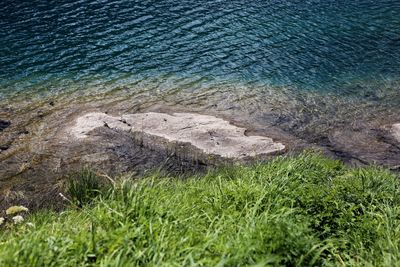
[325, 46]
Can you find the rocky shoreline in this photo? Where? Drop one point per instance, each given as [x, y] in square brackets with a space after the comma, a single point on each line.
[42, 142]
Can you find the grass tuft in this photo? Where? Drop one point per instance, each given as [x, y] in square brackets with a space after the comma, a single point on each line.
[85, 186]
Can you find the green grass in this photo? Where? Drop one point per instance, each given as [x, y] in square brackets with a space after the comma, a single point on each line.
[295, 211]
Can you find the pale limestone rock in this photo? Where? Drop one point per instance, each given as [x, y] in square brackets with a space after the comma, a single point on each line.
[209, 134]
[396, 131]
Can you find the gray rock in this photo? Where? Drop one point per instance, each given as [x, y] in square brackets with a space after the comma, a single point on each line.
[207, 134]
[396, 131]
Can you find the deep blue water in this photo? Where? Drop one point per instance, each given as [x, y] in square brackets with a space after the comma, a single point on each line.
[49, 46]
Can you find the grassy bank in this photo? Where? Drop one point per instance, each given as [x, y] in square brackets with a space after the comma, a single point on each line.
[301, 211]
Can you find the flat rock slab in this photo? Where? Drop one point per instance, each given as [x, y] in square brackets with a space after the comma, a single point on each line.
[208, 134]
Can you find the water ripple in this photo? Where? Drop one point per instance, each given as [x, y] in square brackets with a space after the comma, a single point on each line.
[318, 45]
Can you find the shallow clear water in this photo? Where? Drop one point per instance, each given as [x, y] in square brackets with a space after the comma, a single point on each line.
[323, 46]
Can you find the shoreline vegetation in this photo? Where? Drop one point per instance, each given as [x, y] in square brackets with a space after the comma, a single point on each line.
[304, 210]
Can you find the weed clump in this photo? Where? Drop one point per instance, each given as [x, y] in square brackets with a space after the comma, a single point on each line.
[84, 186]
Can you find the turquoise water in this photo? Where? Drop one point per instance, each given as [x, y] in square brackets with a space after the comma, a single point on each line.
[323, 46]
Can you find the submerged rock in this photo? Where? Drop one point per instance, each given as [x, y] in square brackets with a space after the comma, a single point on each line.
[366, 143]
[4, 125]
